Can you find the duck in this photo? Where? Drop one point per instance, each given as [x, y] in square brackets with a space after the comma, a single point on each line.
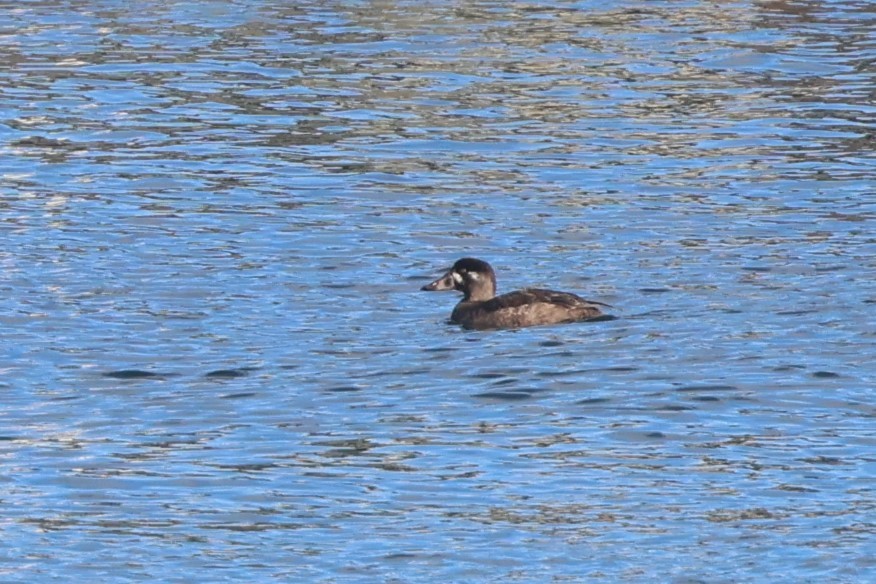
[481, 309]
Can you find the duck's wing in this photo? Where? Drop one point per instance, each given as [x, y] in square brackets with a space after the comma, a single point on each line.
[538, 295]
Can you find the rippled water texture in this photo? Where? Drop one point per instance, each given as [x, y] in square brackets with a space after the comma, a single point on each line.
[216, 363]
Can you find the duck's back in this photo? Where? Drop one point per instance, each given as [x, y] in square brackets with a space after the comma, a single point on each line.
[528, 307]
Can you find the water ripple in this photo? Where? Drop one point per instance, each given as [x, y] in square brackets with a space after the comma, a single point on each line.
[216, 218]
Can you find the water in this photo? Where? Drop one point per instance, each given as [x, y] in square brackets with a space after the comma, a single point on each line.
[217, 365]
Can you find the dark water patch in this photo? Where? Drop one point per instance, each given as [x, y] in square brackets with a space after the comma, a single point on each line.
[338, 285]
[655, 314]
[378, 373]
[439, 349]
[785, 368]
[825, 375]
[229, 373]
[489, 375]
[654, 290]
[415, 371]
[733, 516]
[343, 388]
[504, 395]
[393, 467]
[552, 343]
[48, 143]
[352, 443]
[592, 401]
[561, 354]
[240, 395]
[824, 460]
[674, 408]
[602, 318]
[506, 381]
[66, 397]
[566, 373]
[405, 557]
[346, 448]
[633, 435]
[246, 468]
[582, 372]
[687, 388]
[133, 374]
[243, 529]
[795, 489]
[705, 398]
[176, 314]
[404, 419]
[757, 269]
[739, 440]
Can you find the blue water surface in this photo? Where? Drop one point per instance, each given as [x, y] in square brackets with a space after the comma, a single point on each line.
[217, 364]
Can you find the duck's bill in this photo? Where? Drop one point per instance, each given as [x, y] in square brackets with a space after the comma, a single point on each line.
[445, 282]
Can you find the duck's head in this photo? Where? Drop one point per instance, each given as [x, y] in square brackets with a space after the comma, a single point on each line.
[474, 278]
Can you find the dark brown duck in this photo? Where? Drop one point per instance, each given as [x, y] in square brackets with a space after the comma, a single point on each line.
[480, 308]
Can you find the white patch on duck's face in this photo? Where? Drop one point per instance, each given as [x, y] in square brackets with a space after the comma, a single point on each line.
[456, 277]
[474, 276]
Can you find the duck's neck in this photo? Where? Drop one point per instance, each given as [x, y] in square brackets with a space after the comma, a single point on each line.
[479, 293]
